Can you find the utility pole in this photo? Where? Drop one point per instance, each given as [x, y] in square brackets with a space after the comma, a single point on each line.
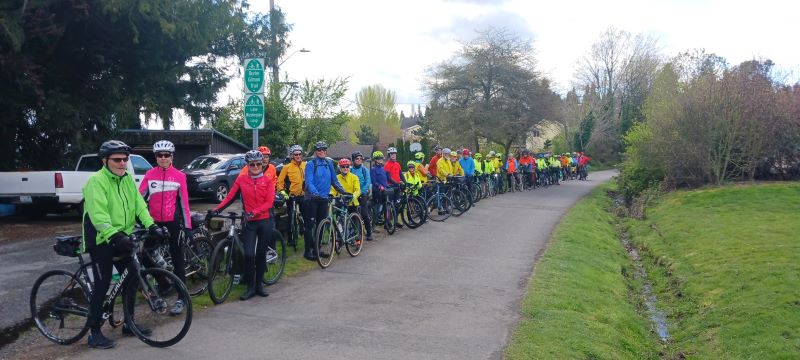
[274, 58]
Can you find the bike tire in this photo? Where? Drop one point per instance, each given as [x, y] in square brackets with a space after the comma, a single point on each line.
[439, 207]
[325, 243]
[197, 257]
[354, 239]
[220, 279]
[152, 308]
[417, 212]
[276, 266]
[390, 219]
[68, 298]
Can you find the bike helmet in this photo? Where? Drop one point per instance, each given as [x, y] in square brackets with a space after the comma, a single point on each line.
[437, 147]
[411, 163]
[499, 154]
[344, 162]
[391, 150]
[295, 148]
[419, 155]
[253, 155]
[356, 154]
[320, 145]
[264, 150]
[465, 152]
[446, 151]
[163, 146]
[377, 155]
[478, 155]
[113, 147]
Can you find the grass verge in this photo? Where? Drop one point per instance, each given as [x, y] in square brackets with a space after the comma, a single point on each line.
[726, 267]
[578, 304]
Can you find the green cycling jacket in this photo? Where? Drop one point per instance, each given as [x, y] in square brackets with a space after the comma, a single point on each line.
[111, 204]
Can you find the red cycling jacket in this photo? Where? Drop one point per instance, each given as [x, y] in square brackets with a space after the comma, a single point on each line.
[432, 164]
[393, 169]
[583, 160]
[166, 194]
[258, 194]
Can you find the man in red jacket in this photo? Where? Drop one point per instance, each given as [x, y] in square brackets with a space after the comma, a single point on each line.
[392, 167]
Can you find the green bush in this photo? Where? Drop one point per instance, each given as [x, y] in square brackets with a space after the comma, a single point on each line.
[639, 171]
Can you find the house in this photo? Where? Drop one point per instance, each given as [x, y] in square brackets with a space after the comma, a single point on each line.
[189, 144]
[344, 149]
[409, 125]
[546, 130]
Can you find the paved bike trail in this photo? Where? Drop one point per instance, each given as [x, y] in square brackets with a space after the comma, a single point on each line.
[445, 291]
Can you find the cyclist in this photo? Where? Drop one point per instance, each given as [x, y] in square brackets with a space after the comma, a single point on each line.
[444, 167]
[392, 167]
[365, 184]
[433, 165]
[380, 181]
[564, 166]
[467, 164]
[167, 196]
[269, 169]
[510, 168]
[526, 166]
[350, 183]
[293, 173]
[111, 206]
[321, 176]
[419, 157]
[497, 161]
[413, 178]
[258, 196]
[555, 168]
[541, 169]
[478, 160]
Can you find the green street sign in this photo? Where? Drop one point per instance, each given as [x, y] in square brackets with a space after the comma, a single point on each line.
[254, 76]
[254, 111]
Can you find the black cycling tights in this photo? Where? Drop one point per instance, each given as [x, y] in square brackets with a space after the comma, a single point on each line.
[175, 251]
[315, 211]
[257, 235]
[102, 257]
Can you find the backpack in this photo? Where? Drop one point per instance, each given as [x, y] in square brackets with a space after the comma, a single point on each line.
[314, 164]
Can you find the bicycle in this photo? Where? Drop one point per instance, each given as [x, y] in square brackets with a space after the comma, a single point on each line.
[223, 272]
[385, 212]
[458, 192]
[410, 208]
[59, 300]
[349, 230]
[438, 206]
[196, 248]
[296, 226]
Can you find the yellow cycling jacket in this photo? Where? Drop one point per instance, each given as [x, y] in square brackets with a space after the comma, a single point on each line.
[351, 184]
[445, 168]
[296, 174]
[497, 164]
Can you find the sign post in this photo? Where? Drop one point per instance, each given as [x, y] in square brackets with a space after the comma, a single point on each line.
[254, 96]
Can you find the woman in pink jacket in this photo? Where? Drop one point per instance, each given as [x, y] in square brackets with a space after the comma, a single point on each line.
[164, 188]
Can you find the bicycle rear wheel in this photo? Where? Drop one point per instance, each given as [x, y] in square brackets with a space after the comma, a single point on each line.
[197, 257]
[459, 202]
[325, 244]
[59, 305]
[390, 218]
[148, 308]
[276, 259]
[416, 212]
[220, 278]
[354, 239]
[439, 207]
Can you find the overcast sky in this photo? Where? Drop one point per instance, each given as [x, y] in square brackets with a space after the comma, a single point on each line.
[392, 43]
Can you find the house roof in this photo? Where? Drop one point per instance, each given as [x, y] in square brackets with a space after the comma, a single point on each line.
[343, 149]
[181, 137]
[409, 122]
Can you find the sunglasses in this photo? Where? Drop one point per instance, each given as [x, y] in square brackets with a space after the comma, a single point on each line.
[254, 164]
[298, 154]
[164, 155]
[322, 149]
[118, 160]
[344, 167]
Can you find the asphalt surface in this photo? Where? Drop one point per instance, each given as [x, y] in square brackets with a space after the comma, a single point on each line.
[445, 291]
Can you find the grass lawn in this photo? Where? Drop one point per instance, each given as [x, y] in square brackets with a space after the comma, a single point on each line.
[578, 303]
[726, 264]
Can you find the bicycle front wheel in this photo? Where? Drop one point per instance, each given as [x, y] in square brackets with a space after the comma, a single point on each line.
[154, 316]
[354, 239]
[326, 243]
[390, 218]
[439, 207]
[276, 259]
[60, 306]
[220, 275]
[415, 212]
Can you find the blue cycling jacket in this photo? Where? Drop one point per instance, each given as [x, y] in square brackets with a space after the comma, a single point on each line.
[363, 177]
[468, 165]
[320, 176]
[379, 178]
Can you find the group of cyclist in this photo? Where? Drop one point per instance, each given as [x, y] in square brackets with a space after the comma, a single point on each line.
[113, 205]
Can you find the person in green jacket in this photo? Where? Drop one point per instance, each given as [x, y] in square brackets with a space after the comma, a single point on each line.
[111, 206]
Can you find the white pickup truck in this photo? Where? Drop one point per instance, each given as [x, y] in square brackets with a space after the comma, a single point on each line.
[39, 192]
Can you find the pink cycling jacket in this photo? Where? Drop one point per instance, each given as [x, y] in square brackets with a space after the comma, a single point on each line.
[166, 194]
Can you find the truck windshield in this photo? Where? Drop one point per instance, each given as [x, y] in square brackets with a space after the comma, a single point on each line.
[204, 163]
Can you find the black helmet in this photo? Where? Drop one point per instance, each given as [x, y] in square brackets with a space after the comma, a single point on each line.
[356, 154]
[320, 145]
[113, 147]
[437, 147]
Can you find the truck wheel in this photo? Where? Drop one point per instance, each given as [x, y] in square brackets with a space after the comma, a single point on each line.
[222, 192]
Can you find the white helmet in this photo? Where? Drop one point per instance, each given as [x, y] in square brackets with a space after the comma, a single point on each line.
[491, 153]
[391, 150]
[163, 146]
[446, 151]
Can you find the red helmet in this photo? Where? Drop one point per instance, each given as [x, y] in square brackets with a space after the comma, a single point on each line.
[344, 162]
[465, 152]
[264, 150]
